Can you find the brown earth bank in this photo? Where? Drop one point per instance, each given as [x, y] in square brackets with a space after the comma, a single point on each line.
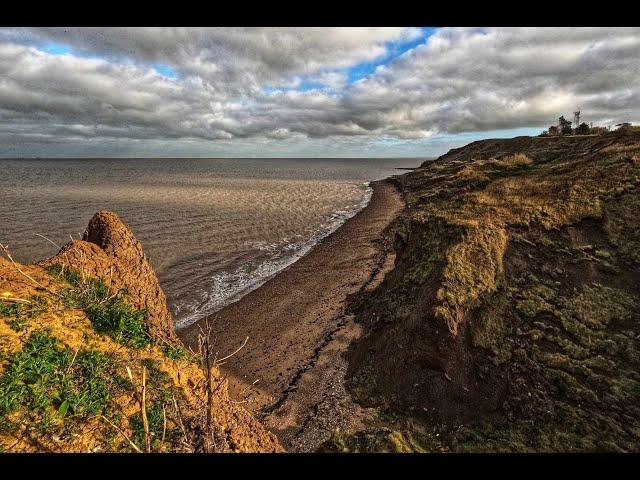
[511, 318]
[89, 361]
[109, 250]
[291, 371]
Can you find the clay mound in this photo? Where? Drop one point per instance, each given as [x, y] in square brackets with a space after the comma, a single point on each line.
[108, 250]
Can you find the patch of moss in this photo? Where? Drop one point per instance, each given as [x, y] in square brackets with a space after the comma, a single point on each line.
[621, 213]
[378, 441]
[491, 330]
[596, 306]
[363, 386]
[473, 268]
[536, 300]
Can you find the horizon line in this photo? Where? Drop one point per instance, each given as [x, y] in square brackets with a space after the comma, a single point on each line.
[222, 158]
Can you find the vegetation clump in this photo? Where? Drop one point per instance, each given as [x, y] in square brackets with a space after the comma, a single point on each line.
[19, 314]
[511, 319]
[107, 310]
[46, 384]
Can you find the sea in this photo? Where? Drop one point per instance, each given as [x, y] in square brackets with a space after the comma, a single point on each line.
[213, 229]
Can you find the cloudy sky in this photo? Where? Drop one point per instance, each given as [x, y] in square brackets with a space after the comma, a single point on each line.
[303, 92]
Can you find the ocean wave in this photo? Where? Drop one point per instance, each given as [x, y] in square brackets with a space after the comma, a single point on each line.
[224, 288]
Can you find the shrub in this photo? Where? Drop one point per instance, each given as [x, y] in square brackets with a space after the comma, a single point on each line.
[512, 161]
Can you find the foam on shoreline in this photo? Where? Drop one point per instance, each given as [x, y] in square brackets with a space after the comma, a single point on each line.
[228, 287]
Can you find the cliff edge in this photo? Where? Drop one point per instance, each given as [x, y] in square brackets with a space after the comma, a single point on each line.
[511, 319]
[90, 363]
[108, 250]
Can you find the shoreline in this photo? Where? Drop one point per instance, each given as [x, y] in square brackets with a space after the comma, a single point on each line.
[296, 323]
[303, 249]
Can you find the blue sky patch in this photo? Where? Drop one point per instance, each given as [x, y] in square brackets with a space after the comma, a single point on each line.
[164, 70]
[359, 71]
[394, 50]
[55, 49]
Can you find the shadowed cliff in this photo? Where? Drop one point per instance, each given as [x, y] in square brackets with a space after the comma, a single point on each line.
[511, 320]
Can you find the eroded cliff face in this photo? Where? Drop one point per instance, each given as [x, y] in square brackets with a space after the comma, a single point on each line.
[109, 250]
[511, 320]
[85, 336]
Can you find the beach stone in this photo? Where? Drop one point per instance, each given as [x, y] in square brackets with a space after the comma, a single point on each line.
[109, 250]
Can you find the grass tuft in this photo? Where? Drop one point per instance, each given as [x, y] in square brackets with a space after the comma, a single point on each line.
[18, 314]
[108, 312]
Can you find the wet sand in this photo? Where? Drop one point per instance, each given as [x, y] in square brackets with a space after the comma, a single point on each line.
[290, 373]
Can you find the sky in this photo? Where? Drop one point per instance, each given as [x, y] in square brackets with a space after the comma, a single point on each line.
[303, 92]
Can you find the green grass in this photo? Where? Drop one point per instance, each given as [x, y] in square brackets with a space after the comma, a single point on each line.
[9, 309]
[18, 314]
[108, 313]
[121, 322]
[174, 351]
[46, 382]
[160, 399]
[155, 417]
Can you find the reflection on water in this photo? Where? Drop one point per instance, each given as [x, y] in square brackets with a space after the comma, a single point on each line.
[212, 228]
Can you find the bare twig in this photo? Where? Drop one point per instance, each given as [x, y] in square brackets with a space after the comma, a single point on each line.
[133, 445]
[164, 425]
[179, 415]
[5, 249]
[14, 300]
[50, 241]
[110, 279]
[206, 366]
[72, 360]
[143, 409]
[221, 361]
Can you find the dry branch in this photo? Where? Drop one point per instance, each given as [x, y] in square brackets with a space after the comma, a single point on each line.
[5, 249]
[133, 445]
[143, 411]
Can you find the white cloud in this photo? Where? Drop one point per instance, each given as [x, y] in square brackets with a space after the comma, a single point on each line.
[234, 84]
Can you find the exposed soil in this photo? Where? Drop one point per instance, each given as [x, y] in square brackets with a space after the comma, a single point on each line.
[48, 404]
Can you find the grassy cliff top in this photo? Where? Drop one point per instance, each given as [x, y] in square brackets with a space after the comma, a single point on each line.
[511, 320]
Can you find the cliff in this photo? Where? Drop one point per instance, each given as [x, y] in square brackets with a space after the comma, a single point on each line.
[511, 319]
[89, 360]
[108, 250]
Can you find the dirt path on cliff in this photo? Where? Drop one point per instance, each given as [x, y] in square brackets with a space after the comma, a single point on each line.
[291, 371]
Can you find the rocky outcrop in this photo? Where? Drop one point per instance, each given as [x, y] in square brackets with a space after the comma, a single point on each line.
[108, 250]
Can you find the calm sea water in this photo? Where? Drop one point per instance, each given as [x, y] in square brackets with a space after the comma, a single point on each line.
[213, 229]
